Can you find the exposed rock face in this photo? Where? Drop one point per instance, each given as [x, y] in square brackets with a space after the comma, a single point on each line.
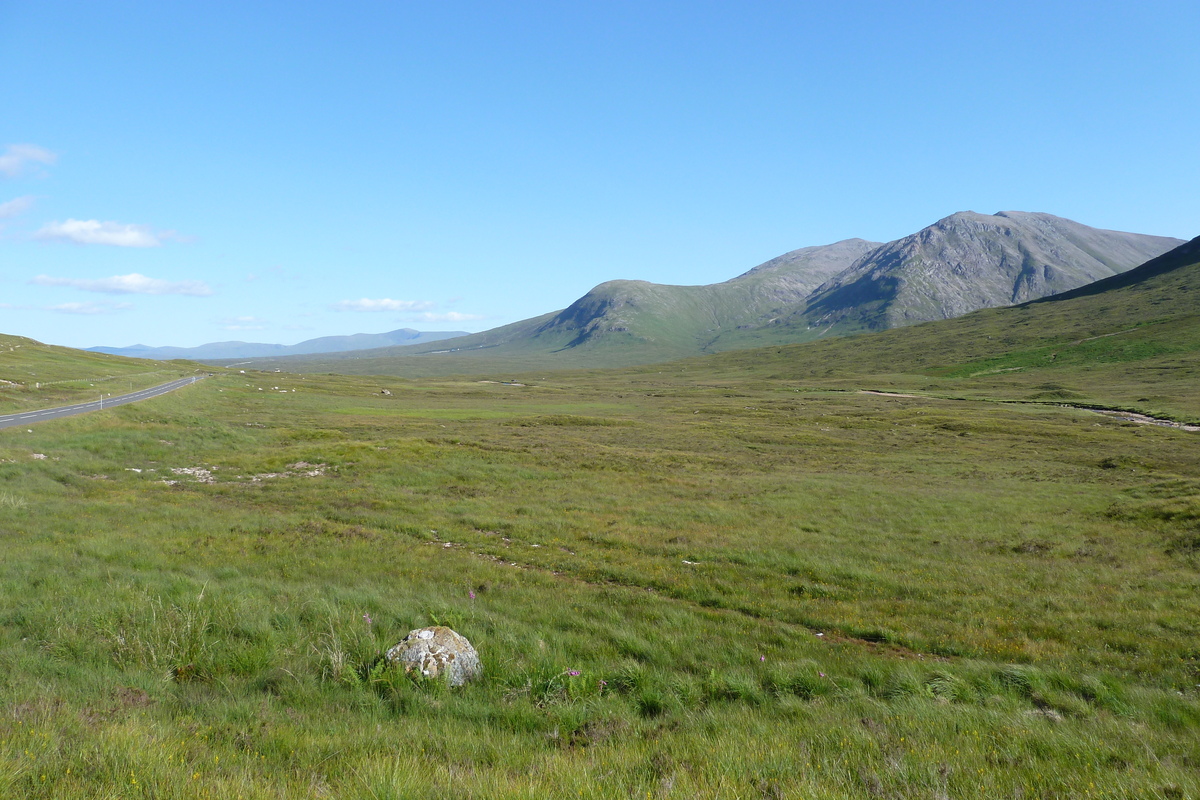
[969, 261]
[438, 651]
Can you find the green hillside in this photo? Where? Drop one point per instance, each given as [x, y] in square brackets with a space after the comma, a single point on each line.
[618, 323]
[962, 263]
[1131, 340]
[36, 375]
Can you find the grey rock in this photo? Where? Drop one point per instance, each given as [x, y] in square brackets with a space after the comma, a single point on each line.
[438, 651]
[970, 261]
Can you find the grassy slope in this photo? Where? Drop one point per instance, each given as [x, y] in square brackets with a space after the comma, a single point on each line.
[1007, 594]
[1130, 341]
[964, 262]
[36, 375]
[618, 323]
[1118, 347]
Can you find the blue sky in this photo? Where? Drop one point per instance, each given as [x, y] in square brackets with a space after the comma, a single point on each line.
[179, 173]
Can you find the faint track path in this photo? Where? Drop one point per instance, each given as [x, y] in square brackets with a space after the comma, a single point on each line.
[30, 417]
[1127, 416]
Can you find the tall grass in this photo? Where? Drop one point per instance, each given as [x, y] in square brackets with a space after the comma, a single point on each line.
[680, 586]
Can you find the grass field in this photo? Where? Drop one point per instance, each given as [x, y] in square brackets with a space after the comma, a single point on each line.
[767, 589]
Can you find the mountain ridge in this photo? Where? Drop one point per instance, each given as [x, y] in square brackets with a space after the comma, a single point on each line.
[968, 261]
[960, 263]
[402, 337]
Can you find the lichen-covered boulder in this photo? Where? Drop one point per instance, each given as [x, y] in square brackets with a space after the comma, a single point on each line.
[438, 651]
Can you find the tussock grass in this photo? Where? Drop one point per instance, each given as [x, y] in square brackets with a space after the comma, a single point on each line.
[680, 586]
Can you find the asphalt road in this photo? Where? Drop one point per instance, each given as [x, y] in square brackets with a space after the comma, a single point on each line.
[30, 417]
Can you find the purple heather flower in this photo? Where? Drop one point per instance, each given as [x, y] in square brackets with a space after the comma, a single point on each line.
[604, 683]
[822, 674]
[762, 658]
[572, 672]
[367, 618]
[471, 594]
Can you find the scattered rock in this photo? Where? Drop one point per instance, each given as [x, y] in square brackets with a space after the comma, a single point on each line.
[437, 651]
[200, 474]
[301, 469]
[39, 456]
[385, 393]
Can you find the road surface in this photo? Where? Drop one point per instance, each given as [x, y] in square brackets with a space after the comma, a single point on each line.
[30, 417]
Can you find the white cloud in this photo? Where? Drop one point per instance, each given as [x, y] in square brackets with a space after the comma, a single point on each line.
[449, 316]
[132, 283]
[383, 304]
[90, 308]
[91, 231]
[17, 157]
[15, 206]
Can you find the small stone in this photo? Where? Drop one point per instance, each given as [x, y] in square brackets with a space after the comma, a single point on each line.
[436, 651]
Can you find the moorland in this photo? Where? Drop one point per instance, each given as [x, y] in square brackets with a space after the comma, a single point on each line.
[916, 563]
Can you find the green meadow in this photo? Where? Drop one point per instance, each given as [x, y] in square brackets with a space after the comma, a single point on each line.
[770, 590]
[742, 577]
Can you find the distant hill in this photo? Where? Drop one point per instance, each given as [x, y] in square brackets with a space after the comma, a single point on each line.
[964, 262]
[324, 344]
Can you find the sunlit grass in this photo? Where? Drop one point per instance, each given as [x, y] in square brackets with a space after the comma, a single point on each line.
[680, 584]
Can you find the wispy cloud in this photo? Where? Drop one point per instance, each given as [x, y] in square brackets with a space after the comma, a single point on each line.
[90, 308]
[16, 206]
[132, 283]
[244, 324]
[384, 304]
[93, 231]
[449, 316]
[18, 157]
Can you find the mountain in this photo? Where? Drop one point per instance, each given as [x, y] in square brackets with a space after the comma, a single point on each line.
[1131, 340]
[961, 263]
[324, 344]
[689, 319]
[969, 261]
[622, 322]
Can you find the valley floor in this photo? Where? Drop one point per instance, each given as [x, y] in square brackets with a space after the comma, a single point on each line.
[680, 586]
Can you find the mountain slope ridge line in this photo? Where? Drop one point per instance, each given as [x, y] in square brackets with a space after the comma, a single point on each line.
[961, 263]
